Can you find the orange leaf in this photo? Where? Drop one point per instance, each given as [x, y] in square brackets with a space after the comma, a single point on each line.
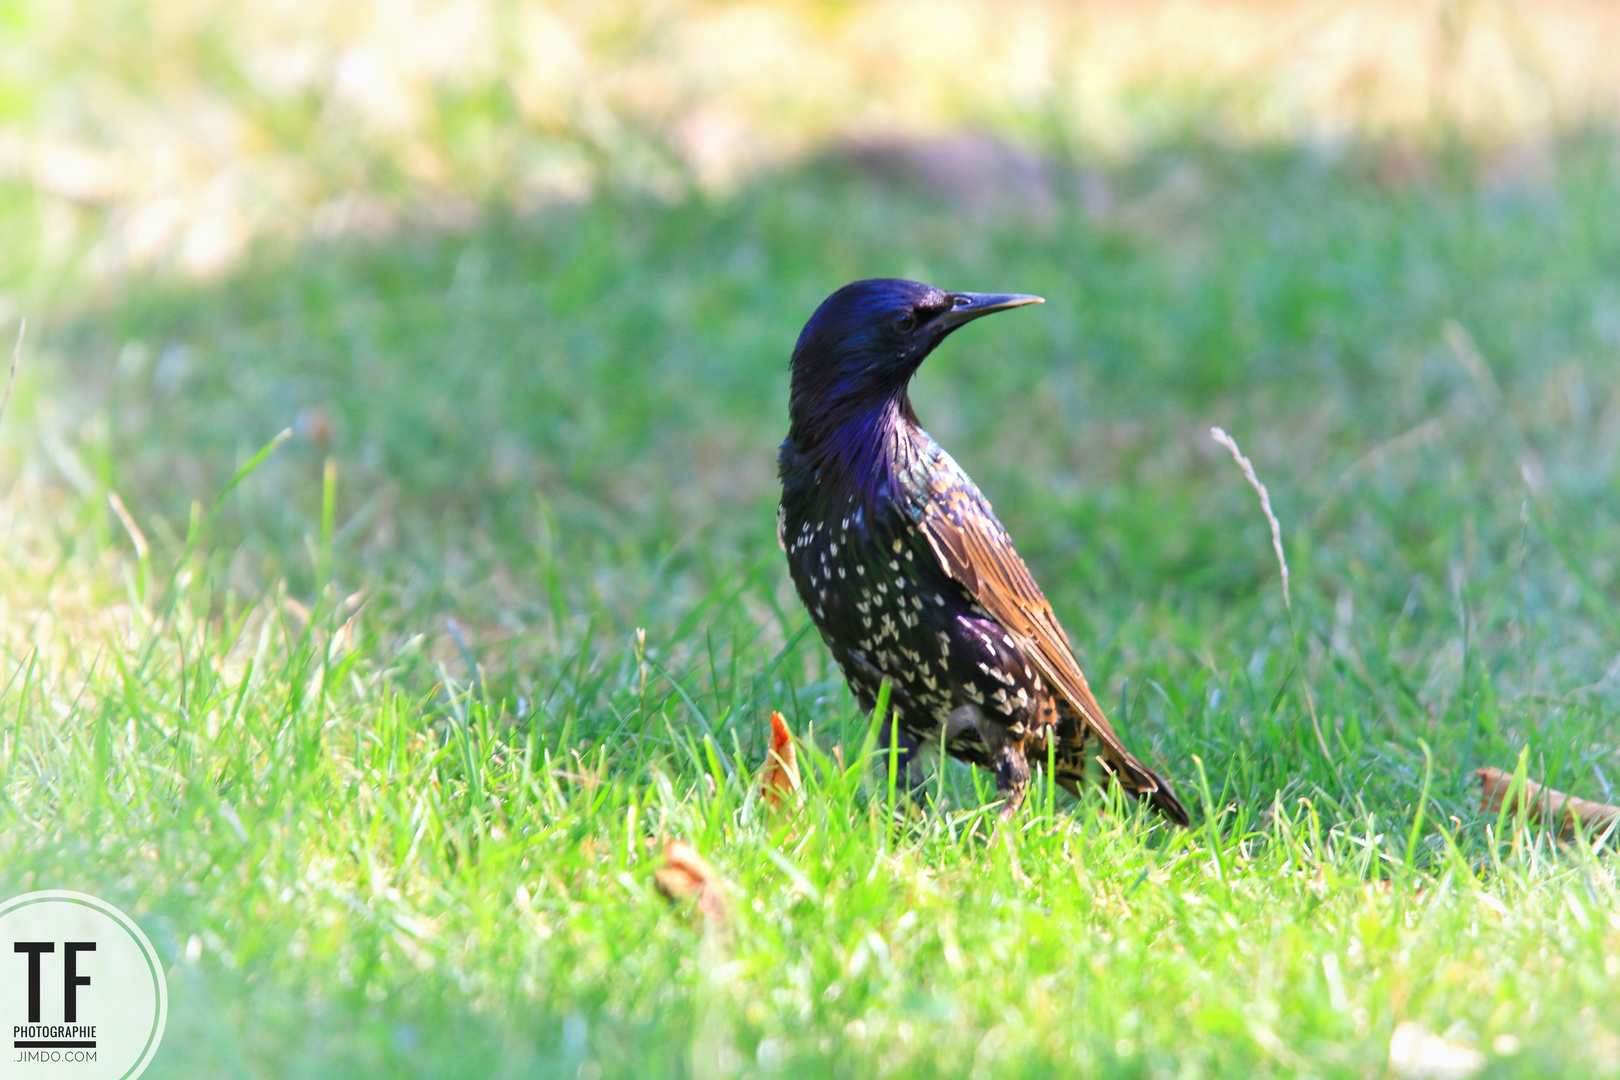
[1554, 808]
[684, 874]
[779, 781]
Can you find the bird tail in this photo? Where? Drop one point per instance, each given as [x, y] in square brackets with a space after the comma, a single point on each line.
[1164, 799]
[1137, 779]
[1119, 763]
[1144, 783]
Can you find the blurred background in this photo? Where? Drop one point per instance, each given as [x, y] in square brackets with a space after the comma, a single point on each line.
[521, 280]
[175, 133]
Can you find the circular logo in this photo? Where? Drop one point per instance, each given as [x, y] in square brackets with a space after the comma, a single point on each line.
[82, 994]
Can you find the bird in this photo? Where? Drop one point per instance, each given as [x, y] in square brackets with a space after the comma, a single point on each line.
[905, 569]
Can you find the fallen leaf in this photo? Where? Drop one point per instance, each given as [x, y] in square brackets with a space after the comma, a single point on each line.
[1554, 808]
[1416, 1053]
[779, 781]
[685, 874]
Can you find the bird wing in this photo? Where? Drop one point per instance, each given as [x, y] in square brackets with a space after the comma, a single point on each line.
[976, 551]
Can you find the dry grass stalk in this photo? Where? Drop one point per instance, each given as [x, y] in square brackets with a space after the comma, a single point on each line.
[1220, 436]
[136, 536]
[779, 781]
[685, 874]
[16, 355]
[1553, 808]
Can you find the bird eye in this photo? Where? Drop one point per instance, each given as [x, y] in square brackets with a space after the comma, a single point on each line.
[905, 322]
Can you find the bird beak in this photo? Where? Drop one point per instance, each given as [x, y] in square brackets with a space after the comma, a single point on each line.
[969, 306]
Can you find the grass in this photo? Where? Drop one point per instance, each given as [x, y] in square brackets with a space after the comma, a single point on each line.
[373, 842]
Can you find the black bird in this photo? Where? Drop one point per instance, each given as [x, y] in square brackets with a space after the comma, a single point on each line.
[907, 572]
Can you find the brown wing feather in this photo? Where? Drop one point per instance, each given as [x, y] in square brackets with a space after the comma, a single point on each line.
[975, 550]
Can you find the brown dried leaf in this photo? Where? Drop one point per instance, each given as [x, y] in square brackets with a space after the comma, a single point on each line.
[1553, 808]
[779, 781]
[685, 874]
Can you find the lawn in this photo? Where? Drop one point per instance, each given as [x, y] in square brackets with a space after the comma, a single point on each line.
[378, 729]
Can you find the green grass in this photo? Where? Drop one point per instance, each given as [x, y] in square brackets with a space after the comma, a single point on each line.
[370, 848]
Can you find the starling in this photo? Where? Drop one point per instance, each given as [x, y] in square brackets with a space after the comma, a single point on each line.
[909, 576]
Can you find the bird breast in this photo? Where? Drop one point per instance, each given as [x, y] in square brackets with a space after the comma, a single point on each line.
[887, 610]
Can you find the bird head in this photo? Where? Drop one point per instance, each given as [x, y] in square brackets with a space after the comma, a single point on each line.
[865, 341]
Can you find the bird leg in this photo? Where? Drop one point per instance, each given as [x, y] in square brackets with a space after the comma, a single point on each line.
[910, 764]
[908, 759]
